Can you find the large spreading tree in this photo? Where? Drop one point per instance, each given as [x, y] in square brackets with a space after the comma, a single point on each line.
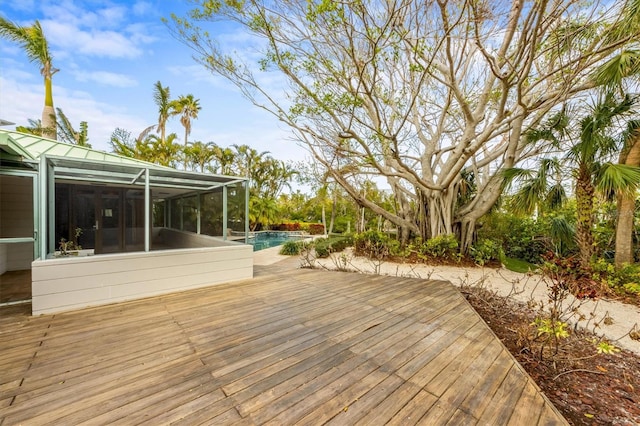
[433, 97]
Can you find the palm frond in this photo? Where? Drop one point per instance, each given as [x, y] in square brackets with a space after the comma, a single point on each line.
[31, 39]
[616, 69]
[562, 230]
[612, 178]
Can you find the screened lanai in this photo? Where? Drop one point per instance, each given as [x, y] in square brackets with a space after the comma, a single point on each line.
[73, 206]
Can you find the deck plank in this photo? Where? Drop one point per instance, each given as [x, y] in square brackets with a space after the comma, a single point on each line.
[289, 346]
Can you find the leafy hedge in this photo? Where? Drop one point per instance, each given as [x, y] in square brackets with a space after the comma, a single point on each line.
[316, 229]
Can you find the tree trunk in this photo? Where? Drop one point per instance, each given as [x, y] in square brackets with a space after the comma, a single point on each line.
[626, 210]
[333, 212]
[584, 212]
[49, 126]
[324, 219]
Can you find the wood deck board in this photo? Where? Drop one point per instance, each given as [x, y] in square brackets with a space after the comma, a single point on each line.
[289, 346]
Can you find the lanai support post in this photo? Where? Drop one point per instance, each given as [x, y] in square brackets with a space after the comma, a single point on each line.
[246, 211]
[43, 185]
[147, 210]
[224, 213]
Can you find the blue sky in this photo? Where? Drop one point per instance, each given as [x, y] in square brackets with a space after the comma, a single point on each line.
[110, 54]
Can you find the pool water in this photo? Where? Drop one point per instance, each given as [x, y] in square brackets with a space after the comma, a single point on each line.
[268, 239]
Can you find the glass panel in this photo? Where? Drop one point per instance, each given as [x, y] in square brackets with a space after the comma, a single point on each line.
[211, 216]
[176, 213]
[16, 207]
[134, 220]
[110, 226]
[236, 201]
[158, 214]
[190, 214]
[82, 204]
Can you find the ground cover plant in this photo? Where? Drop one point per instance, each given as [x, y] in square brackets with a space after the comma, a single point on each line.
[590, 383]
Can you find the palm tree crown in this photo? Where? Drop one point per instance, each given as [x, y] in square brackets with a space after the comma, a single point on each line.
[187, 107]
[34, 44]
[161, 98]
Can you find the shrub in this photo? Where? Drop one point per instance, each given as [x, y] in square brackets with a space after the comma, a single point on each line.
[292, 248]
[625, 278]
[290, 226]
[485, 251]
[520, 238]
[442, 246]
[325, 246]
[373, 244]
[316, 229]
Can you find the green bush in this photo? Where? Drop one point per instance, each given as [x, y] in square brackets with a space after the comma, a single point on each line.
[442, 246]
[520, 238]
[325, 246]
[373, 244]
[292, 248]
[625, 278]
[485, 251]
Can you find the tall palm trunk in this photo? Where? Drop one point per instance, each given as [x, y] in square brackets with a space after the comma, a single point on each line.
[626, 210]
[584, 224]
[49, 125]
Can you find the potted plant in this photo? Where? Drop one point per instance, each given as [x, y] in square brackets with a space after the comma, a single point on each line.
[69, 247]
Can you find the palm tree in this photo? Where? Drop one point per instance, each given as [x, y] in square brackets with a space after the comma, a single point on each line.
[262, 211]
[588, 160]
[34, 127]
[187, 107]
[200, 154]
[225, 158]
[626, 200]
[611, 76]
[161, 97]
[539, 189]
[163, 152]
[593, 170]
[68, 134]
[34, 43]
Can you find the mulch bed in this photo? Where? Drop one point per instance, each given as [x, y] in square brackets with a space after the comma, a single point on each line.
[588, 388]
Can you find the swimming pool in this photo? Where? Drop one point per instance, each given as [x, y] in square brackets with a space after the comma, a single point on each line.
[267, 239]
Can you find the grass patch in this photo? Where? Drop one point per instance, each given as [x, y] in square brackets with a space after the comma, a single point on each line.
[517, 265]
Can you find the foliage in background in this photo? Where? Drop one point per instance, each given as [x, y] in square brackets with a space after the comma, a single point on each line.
[486, 251]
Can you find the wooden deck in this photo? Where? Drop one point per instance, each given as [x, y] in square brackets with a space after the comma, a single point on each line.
[297, 346]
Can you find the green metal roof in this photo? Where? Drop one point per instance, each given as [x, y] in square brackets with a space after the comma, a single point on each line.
[78, 163]
[31, 147]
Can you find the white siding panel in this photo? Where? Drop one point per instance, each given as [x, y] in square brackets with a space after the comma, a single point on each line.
[110, 263]
[72, 283]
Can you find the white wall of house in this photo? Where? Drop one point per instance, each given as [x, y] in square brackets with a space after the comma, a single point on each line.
[19, 256]
[65, 284]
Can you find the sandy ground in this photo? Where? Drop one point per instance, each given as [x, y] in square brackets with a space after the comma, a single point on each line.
[620, 317]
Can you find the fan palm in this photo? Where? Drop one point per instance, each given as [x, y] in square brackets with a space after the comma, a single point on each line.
[611, 76]
[592, 169]
[34, 43]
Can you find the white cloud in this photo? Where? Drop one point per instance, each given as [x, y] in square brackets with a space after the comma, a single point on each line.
[95, 43]
[142, 8]
[106, 78]
[23, 5]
